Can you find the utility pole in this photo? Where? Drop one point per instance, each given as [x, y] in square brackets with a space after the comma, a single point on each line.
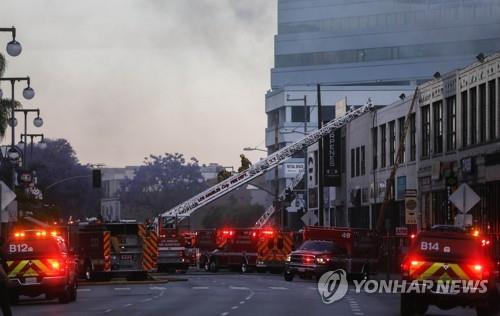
[321, 203]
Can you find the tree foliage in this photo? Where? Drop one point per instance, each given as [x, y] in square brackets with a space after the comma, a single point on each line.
[56, 162]
[160, 183]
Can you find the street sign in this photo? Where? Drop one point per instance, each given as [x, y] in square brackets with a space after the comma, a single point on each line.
[401, 231]
[310, 218]
[7, 214]
[464, 198]
[410, 207]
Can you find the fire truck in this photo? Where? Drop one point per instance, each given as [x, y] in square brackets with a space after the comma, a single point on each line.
[273, 247]
[174, 244]
[222, 188]
[105, 250]
[354, 250]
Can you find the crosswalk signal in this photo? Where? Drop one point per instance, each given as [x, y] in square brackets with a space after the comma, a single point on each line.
[96, 178]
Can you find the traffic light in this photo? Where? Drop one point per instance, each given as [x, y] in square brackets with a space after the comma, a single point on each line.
[96, 178]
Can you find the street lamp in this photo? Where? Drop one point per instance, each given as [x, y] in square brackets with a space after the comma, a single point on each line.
[14, 48]
[30, 94]
[254, 149]
[42, 144]
[38, 122]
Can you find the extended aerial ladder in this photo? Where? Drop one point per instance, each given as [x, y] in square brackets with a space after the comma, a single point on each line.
[213, 193]
[270, 210]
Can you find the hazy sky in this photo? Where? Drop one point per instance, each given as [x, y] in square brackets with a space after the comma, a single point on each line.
[121, 79]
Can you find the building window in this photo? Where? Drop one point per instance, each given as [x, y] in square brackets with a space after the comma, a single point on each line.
[473, 116]
[298, 114]
[383, 148]
[273, 118]
[493, 113]
[357, 161]
[392, 142]
[465, 119]
[343, 156]
[375, 147]
[438, 127]
[413, 137]
[363, 166]
[426, 131]
[353, 166]
[451, 124]
[482, 113]
[401, 122]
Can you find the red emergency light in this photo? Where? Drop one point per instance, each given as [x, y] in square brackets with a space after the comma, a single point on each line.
[228, 232]
[268, 232]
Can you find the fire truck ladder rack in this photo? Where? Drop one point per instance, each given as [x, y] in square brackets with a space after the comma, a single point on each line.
[188, 207]
[271, 209]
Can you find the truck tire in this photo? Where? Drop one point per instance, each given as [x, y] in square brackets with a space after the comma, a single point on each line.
[73, 291]
[288, 276]
[213, 266]
[244, 266]
[89, 272]
[65, 296]
[410, 307]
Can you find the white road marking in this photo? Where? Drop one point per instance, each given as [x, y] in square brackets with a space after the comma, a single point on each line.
[127, 305]
[122, 289]
[157, 288]
[278, 288]
[242, 302]
[234, 307]
[108, 311]
[313, 288]
[200, 287]
[238, 288]
[84, 290]
[146, 300]
[224, 314]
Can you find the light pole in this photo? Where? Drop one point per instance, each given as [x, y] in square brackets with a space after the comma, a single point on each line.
[306, 116]
[14, 48]
[28, 93]
[254, 148]
[37, 122]
[32, 136]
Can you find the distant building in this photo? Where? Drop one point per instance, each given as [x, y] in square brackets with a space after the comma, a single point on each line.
[371, 49]
[210, 171]
[112, 180]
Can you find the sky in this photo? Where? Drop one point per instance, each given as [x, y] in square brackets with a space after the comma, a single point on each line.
[122, 79]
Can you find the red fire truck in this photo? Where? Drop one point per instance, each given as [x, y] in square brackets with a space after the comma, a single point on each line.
[174, 237]
[236, 250]
[273, 247]
[324, 249]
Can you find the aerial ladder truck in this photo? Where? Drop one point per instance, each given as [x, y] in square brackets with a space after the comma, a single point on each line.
[185, 209]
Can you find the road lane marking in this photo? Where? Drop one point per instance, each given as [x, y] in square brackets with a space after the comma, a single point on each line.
[238, 288]
[200, 287]
[242, 302]
[278, 288]
[122, 289]
[234, 307]
[127, 305]
[84, 290]
[108, 311]
[224, 314]
[146, 300]
[157, 288]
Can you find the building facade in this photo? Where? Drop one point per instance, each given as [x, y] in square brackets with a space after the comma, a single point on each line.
[371, 49]
[453, 138]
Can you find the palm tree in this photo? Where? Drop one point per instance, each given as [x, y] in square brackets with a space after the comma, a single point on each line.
[5, 104]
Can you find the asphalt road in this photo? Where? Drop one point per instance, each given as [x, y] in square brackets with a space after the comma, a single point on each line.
[221, 294]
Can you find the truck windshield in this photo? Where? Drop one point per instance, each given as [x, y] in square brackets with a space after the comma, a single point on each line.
[317, 245]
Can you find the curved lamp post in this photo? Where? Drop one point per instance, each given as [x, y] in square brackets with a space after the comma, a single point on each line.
[14, 48]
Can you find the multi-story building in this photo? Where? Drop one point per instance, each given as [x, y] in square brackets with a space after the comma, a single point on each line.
[373, 48]
[453, 138]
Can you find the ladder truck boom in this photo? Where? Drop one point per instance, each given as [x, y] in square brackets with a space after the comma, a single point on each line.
[188, 207]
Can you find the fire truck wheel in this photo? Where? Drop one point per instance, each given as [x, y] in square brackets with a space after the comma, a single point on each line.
[88, 272]
[206, 266]
[261, 270]
[14, 299]
[244, 266]
[288, 276]
[410, 307]
[73, 291]
[213, 266]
